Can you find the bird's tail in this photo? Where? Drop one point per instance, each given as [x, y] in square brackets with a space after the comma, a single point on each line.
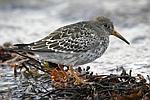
[20, 46]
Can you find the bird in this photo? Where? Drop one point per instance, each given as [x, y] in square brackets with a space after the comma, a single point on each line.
[75, 44]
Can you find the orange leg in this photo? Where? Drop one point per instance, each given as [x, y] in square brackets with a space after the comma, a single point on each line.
[78, 80]
[63, 71]
[76, 77]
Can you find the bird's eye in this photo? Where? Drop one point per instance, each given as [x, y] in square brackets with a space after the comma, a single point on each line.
[107, 26]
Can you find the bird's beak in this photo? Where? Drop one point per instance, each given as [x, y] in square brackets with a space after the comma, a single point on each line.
[115, 33]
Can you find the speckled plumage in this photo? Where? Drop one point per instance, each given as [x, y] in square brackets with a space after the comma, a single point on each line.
[75, 44]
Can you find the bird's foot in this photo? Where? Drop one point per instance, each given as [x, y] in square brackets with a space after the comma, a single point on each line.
[78, 80]
[66, 77]
[63, 71]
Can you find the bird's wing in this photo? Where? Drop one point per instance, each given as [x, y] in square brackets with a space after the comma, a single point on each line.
[72, 38]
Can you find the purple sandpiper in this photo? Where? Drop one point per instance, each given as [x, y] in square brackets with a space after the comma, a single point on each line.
[75, 44]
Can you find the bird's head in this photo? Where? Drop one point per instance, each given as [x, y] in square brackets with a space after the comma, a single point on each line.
[107, 26]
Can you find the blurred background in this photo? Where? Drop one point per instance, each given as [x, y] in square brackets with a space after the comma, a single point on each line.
[25, 21]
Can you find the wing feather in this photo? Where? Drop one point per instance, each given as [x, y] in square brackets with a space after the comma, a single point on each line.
[72, 38]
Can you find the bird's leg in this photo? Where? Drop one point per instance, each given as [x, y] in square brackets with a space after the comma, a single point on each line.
[76, 77]
[63, 71]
